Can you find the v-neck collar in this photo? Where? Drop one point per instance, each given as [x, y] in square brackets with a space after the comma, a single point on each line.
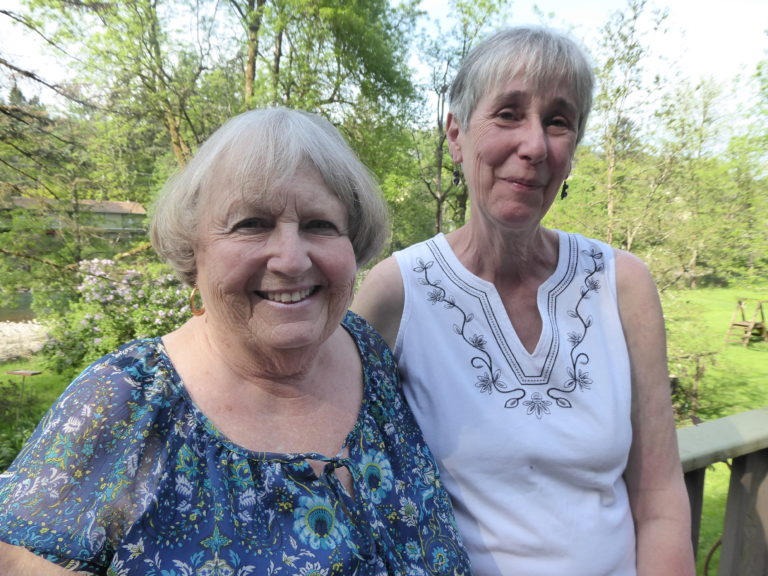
[529, 367]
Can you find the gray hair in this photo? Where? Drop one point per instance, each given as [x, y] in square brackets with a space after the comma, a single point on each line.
[544, 56]
[261, 148]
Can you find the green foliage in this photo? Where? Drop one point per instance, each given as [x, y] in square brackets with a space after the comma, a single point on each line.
[23, 402]
[18, 417]
[116, 304]
[692, 351]
[12, 440]
[433, 167]
[413, 221]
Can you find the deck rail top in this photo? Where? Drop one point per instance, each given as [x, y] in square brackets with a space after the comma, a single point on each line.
[729, 437]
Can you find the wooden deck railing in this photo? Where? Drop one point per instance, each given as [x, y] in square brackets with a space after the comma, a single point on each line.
[741, 439]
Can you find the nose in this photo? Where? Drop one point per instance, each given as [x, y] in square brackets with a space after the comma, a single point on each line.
[288, 251]
[533, 141]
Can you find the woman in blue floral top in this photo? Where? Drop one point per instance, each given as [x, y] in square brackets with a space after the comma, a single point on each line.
[268, 434]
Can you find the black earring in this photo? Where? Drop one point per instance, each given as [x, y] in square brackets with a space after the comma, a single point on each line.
[456, 177]
[564, 191]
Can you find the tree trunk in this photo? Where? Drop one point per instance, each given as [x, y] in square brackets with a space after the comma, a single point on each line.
[254, 17]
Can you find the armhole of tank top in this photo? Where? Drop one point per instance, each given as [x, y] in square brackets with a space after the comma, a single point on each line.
[610, 266]
[398, 347]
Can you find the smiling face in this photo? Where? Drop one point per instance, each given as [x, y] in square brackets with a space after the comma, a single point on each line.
[516, 151]
[275, 272]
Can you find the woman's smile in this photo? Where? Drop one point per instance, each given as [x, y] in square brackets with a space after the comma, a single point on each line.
[287, 296]
[525, 183]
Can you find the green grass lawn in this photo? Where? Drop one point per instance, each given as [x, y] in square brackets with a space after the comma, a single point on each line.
[738, 379]
[43, 388]
[23, 401]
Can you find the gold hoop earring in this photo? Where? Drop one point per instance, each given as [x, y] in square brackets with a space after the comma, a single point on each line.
[193, 303]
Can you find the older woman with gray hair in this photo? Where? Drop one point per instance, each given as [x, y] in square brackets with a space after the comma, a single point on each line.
[534, 359]
[266, 435]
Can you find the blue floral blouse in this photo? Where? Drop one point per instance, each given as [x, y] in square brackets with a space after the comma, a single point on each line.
[125, 476]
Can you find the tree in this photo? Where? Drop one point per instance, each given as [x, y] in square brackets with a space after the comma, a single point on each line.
[34, 154]
[620, 83]
[326, 55]
[443, 55]
[747, 251]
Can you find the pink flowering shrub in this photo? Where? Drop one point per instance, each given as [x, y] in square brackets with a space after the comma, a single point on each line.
[116, 304]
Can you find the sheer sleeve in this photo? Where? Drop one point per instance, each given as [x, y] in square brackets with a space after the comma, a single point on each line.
[91, 466]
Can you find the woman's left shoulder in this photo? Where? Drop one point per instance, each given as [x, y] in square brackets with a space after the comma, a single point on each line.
[379, 367]
[633, 278]
[636, 290]
[366, 337]
[632, 273]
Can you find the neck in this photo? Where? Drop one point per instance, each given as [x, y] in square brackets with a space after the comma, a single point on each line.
[505, 256]
[277, 408]
[227, 357]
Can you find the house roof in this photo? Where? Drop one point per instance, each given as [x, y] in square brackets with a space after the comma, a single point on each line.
[97, 206]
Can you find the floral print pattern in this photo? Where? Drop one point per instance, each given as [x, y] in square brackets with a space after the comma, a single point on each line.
[125, 476]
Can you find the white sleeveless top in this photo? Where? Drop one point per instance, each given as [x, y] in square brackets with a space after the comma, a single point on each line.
[531, 447]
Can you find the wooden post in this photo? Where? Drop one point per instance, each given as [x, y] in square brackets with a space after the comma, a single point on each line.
[694, 482]
[745, 534]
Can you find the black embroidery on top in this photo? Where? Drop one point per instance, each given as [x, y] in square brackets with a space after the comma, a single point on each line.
[578, 378]
[490, 378]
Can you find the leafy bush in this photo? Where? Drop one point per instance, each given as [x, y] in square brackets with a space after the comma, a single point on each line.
[116, 304]
[17, 405]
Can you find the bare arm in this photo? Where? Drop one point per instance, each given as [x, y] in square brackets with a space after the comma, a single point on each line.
[380, 299]
[18, 561]
[657, 493]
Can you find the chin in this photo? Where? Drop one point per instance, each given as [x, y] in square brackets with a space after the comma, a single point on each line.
[298, 336]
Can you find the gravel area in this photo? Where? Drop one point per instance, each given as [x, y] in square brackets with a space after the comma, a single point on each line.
[20, 339]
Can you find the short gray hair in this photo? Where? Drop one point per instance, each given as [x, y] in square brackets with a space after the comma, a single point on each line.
[263, 147]
[543, 55]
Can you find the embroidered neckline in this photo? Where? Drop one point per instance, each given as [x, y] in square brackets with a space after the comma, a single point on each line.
[491, 377]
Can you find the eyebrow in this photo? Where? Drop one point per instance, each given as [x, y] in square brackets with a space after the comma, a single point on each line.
[515, 96]
[568, 105]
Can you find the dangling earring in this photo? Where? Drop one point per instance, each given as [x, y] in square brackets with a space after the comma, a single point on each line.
[564, 191]
[193, 303]
[456, 177]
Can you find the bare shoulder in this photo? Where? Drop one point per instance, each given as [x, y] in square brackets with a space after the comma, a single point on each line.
[631, 269]
[634, 283]
[641, 314]
[380, 298]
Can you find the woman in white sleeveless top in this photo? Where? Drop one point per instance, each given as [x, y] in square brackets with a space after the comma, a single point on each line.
[533, 359]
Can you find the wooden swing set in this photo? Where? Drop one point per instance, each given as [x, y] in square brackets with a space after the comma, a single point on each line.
[744, 328]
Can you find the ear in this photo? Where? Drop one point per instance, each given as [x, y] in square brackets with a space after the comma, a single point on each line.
[452, 130]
